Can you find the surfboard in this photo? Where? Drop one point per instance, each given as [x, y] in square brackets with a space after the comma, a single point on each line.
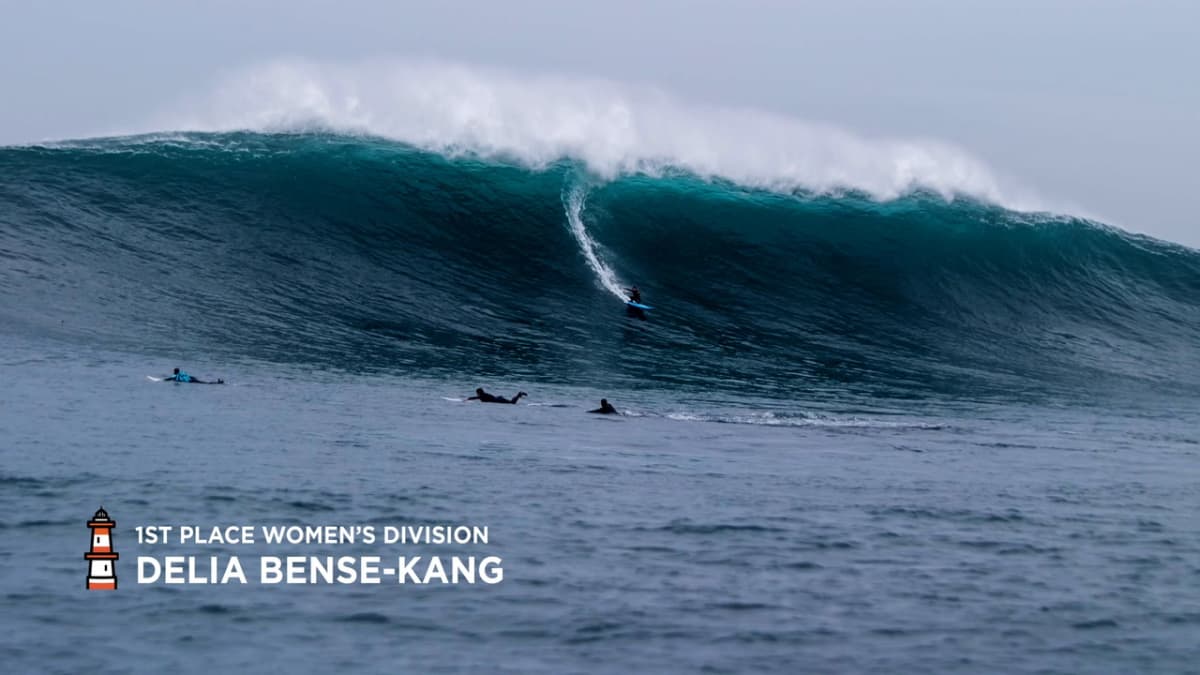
[163, 379]
[638, 305]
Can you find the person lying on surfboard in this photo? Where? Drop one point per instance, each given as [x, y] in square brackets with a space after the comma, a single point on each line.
[484, 397]
[605, 408]
[180, 376]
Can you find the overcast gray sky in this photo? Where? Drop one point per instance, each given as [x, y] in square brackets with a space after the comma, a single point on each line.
[1092, 104]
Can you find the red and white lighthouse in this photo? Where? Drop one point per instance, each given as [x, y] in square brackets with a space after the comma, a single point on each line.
[102, 571]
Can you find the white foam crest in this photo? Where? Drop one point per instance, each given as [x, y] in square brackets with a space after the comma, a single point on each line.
[613, 129]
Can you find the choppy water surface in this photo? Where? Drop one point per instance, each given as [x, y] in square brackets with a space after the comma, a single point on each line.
[726, 535]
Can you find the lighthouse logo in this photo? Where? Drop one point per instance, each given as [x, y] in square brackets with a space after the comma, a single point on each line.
[102, 559]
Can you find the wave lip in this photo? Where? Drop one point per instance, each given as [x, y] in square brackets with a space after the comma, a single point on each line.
[612, 129]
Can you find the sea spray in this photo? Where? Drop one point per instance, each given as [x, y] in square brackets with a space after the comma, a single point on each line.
[610, 128]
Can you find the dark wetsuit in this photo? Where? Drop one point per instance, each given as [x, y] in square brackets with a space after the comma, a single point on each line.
[605, 408]
[484, 397]
[636, 312]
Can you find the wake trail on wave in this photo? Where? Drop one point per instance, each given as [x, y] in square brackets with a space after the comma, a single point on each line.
[574, 198]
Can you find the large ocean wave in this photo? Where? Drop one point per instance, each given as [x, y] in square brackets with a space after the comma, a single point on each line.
[366, 254]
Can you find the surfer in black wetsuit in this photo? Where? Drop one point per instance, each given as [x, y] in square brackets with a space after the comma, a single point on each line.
[484, 397]
[180, 376]
[636, 312]
[605, 408]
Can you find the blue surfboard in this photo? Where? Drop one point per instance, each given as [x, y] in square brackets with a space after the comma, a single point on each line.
[638, 305]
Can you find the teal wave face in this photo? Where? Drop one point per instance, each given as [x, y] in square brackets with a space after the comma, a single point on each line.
[368, 255]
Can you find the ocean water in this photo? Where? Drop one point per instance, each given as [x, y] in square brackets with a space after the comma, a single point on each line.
[860, 435]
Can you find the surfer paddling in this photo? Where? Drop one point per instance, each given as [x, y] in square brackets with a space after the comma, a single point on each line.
[605, 408]
[484, 397]
[180, 376]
